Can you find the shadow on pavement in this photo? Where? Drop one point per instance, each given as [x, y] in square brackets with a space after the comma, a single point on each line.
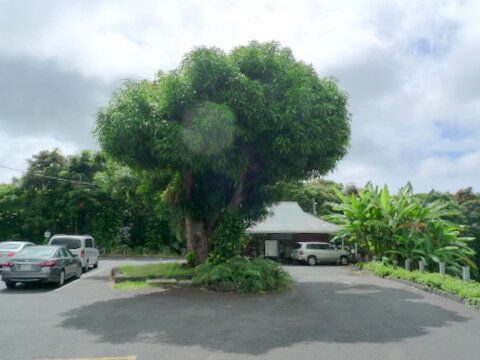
[312, 312]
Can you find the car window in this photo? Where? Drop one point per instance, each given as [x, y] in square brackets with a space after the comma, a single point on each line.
[39, 252]
[69, 243]
[64, 253]
[331, 247]
[88, 243]
[323, 246]
[69, 253]
[298, 246]
[9, 246]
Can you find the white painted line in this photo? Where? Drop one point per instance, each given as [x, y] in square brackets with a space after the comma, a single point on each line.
[94, 273]
[82, 277]
[102, 358]
[64, 286]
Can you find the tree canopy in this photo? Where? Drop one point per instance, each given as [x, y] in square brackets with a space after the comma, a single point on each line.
[316, 196]
[227, 128]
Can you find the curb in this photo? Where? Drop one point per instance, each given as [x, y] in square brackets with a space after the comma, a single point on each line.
[162, 282]
[117, 276]
[157, 258]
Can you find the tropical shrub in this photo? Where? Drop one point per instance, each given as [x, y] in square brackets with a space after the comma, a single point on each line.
[468, 290]
[243, 275]
[403, 227]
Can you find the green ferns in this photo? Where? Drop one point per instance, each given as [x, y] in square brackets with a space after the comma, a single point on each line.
[243, 275]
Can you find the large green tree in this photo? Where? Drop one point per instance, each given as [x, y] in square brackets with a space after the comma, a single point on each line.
[227, 128]
[11, 208]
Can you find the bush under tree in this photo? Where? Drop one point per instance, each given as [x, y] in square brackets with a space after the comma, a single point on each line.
[243, 275]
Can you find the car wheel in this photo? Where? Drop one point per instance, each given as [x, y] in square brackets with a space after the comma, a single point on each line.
[96, 265]
[10, 284]
[61, 279]
[344, 260]
[312, 260]
[79, 272]
[86, 267]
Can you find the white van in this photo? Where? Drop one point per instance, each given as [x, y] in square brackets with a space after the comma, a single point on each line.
[82, 246]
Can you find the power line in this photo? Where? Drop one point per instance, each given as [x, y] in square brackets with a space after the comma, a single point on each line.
[77, 182]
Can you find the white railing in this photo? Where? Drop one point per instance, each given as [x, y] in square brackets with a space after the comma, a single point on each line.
[441, 269]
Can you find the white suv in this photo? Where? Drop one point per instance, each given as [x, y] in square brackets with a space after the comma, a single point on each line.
[318, 252]
[83, 246]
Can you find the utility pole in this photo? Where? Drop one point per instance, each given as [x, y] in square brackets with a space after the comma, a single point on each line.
[314, 206]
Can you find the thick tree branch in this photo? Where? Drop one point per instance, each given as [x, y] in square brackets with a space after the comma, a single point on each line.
[187, 184]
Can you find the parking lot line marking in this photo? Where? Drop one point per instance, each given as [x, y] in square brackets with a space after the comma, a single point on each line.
[94, 273]
[133, 357]
[76, 282]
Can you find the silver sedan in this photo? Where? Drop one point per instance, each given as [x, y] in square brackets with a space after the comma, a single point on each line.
[41, 264]
[8, 249]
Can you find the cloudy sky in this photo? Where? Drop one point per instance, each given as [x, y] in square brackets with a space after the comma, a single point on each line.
[411, 69]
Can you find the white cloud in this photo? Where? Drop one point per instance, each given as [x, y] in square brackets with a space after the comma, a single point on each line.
[460, 172]
[14, 149]
[410, 68]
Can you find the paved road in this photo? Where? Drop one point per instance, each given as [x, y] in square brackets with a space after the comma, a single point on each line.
[329, 315]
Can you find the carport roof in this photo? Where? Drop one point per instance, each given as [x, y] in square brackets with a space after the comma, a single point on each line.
[287, 217]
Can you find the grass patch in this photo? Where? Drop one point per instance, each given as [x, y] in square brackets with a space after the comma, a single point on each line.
[131, 285]
[467, 290]
[243, 275]
[164, 270]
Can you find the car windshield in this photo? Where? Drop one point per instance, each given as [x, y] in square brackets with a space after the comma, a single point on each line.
[9, 246]
[69, 243]
[37, 252]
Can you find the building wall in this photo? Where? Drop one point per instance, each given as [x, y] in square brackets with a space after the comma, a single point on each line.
[286, 243]
[311, 237]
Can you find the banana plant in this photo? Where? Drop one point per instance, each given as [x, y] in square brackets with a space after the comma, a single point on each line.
[401, 227]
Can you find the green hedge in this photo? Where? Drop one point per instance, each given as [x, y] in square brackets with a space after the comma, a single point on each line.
[469, 291]
[243, 275]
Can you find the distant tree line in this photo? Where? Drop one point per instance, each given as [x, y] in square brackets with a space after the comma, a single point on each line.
[89, 193]
[84, 193]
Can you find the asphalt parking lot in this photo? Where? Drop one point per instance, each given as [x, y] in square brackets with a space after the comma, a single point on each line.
[329, 314]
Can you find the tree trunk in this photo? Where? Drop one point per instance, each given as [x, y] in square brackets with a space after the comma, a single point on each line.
[197, 239]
